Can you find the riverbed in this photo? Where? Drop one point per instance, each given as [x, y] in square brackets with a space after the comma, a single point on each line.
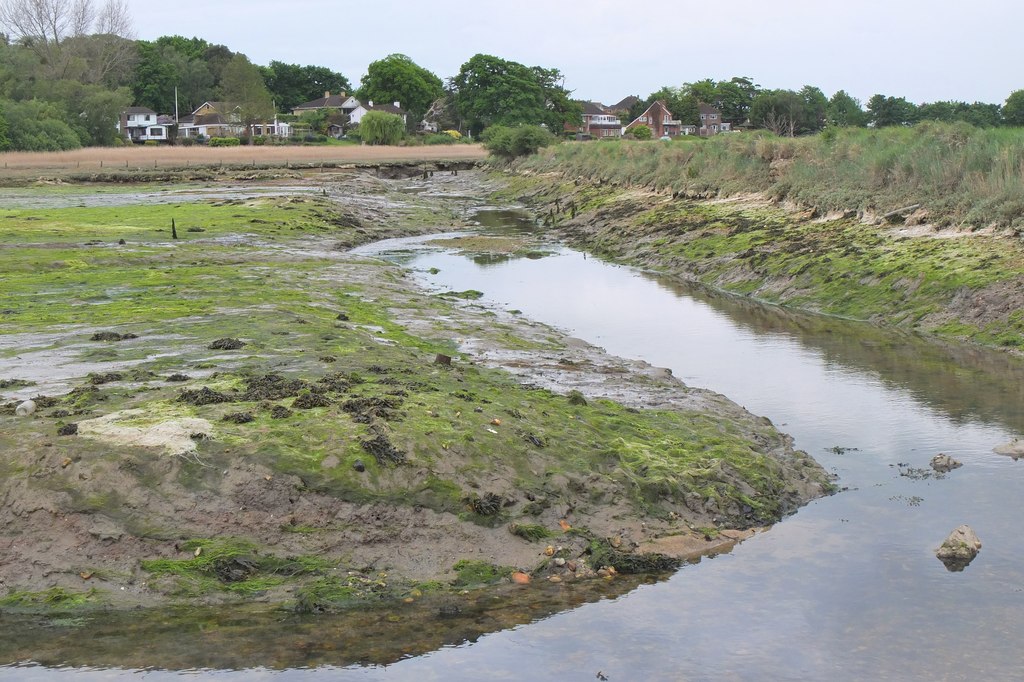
[847, 588]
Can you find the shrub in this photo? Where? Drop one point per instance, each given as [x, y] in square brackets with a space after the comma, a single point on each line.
[508, 143]
[641, 132]
[225, 142]
[151, 143]
[259, 140]
[186, 141]
[454, 134]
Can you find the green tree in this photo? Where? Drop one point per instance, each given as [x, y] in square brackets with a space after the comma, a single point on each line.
[705, 91]
[5, 142]
[844, 111]
[780, 111]
[1013, 109]
[814, 111]
[380, 127]
[490, 91]
[891, 111]
[243, 87]
[735, 97]
[396, 78]
[291, 84]
[37, 126]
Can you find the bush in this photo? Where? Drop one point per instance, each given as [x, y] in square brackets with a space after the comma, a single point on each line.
[454, 134]
[509, 143]
[438, 139]
[151, 143]
[259, 140]
[225, 142]
[185, 141]
[641, 132]
[354, 134]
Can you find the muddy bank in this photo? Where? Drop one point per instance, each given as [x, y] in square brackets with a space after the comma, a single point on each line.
[248, 412]
[894, 270]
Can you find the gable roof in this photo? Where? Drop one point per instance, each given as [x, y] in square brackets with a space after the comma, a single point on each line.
[626, 103]
[656, 103]
[594, 109]
[328, 101]
[387, 108]
[708, 109]
[139, 110]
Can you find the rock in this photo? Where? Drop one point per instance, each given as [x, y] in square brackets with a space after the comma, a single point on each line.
[68, 430]
[359, 466]
[342, 317]
[442, 359]
[226, 344]
[959, 549]
[944, 463]
[26, 408]
[559, 561]
[1015, 449]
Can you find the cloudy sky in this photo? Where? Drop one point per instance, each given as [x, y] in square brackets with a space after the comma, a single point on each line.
[919, 49]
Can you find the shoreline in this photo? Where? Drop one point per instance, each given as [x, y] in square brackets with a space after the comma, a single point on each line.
[224, 519]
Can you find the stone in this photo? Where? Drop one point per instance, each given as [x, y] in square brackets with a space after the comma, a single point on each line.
[959, 549]
[943, 464]
[1015, 449]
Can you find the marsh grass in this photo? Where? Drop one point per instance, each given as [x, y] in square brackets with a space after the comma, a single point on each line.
[960, 174]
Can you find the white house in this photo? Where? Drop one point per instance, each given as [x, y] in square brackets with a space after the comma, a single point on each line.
[357, 113]
[140, 124]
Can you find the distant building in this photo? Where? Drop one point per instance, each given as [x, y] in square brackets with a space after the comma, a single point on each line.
[711, 122]
[140, 124]
[659, 119]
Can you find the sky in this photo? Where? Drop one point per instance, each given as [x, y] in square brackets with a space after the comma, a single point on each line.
[924, 50]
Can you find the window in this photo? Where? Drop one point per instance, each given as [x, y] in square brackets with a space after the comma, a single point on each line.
[703, 116]
[148, 117]
[714, 116]
[667, 119]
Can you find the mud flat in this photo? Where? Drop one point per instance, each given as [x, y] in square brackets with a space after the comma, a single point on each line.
[230, 406]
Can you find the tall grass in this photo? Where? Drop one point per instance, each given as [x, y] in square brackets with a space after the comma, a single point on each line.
[961, 175]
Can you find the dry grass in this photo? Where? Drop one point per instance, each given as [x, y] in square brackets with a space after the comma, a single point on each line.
[140, 157]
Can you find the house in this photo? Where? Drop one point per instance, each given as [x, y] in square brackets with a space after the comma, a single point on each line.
[220, 119]
[711, 122]
[328, 101]
[599, 122]
[140, 124]
[659, 119]
[357, 113]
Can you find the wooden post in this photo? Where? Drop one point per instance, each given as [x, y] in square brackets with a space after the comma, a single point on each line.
[174, 230]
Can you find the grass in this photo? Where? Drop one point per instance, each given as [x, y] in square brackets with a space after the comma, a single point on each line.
[961, 175]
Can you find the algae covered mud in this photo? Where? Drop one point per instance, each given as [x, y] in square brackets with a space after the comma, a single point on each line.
[208, 399]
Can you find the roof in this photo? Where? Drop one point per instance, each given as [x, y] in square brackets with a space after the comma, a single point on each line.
[660, 103]
[708, 109]
[329, 102]
[388, 108]
[594, 109]
[626, 103]
[138, 110]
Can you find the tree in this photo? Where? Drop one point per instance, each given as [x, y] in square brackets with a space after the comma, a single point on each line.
[52, 29]
[5, 142]
[891, 111]
[490, 91]
[243, 88]
[844, 111]
[705, 91]
[735, 98]
[380, 127]
[396, 78]
[1013, 109]
[815, 106]
[682, 103]
[36, 126]
[780, 111]
[291, 84]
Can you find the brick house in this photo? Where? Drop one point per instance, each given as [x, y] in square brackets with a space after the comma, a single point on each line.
[659, 119]
[711, 122]
[598, 123]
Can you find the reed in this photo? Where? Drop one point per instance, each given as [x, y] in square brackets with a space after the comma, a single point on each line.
[959, 174]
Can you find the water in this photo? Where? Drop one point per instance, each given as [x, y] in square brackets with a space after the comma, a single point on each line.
[848, 588]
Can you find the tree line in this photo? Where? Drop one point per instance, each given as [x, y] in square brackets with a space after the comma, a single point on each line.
[68, 68]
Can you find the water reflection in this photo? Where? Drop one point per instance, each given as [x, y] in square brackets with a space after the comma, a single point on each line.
[245, 637]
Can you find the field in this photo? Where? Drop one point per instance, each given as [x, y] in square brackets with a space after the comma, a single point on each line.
[23, 164]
